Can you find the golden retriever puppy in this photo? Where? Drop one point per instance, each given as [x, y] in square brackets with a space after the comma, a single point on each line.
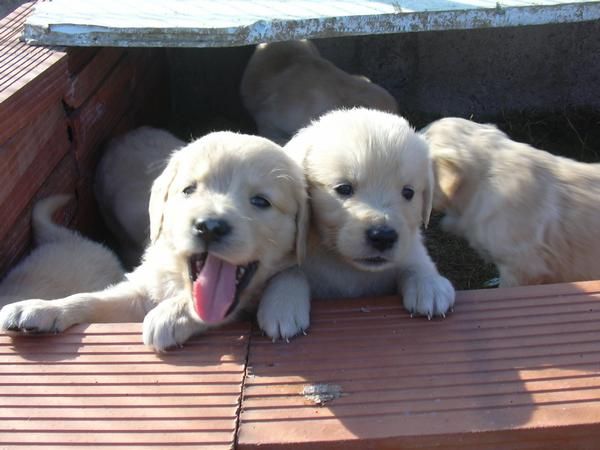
[62, 263]
[288, 84]
[531, 213]
[226, 215]
[370, 186]
[128, 166]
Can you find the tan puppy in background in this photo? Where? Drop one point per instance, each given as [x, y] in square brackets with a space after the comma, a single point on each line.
[62, 263]
[228, 213]
[124, 175]
[370, 186]
[533, 214]
[288, 84]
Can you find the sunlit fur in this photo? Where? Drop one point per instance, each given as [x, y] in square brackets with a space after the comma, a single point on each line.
[288, 84]
[124, 175]
[535, 215]
[227, 169]
[63, 262]
[379, 154]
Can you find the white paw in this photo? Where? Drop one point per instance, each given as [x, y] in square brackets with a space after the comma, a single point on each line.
[34, 316]
[283, 319]
[427, 295]
[284, 309]
[169, 325]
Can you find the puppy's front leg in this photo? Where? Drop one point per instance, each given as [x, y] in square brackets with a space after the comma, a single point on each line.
[424, 291]
[284, 309]
[170, 324]
[123, 302]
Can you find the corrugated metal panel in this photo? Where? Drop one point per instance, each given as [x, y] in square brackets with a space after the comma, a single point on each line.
[512, 368]
[204, 23]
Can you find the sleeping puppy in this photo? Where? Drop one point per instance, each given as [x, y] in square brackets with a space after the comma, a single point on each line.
[370, 185]
[533, 214]
[62, 263]
[122, 196]
[288, 84]
[226, 215]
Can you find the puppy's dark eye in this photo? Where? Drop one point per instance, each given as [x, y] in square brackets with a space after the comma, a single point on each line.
[344, 190]
[260, 202]
[408, 192]
[189, 190]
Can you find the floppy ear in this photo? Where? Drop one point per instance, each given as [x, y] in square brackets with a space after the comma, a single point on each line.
[428, 194]
[448, 179]
[297, 150]
[302, 221]
[159, 195]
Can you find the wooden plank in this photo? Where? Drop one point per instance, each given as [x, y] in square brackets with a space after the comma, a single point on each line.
[30, 79]
[93, 122]
[83, 84]
[180, 23]
[23, 103]
[78, 58]
[27, 161]
[511, 368]
[31, 154]
[17, 236]
[159, 407]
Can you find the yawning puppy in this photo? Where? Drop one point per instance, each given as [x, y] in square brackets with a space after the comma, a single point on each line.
[226, 215]
[288, 84]
[533, 214]
[128, 166]
[370, 185]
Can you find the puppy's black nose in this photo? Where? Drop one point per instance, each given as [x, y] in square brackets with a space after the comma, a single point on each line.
[381, 237]
[211, 230]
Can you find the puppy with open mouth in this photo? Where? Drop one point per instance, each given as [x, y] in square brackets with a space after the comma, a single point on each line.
[227, 215]
[370, 185]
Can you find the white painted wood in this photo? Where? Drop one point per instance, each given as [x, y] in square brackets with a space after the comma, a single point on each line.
[203, 23]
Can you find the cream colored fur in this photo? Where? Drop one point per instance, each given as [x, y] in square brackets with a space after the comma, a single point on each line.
[533, 214]
[379, 155]
[226, 169]
[128, 166]
[63, 262]
[288, 84]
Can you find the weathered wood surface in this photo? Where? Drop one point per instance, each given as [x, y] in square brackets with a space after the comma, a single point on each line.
[190, 23]
[56, 109]
[510, 368]
[99, 386]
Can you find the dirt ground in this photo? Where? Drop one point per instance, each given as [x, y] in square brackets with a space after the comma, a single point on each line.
[574, 134]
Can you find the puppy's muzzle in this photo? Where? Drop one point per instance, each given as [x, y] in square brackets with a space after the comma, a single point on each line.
[381, 237]
[211, 230]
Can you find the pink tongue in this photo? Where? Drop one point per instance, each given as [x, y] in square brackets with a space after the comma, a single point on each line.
[214, 290]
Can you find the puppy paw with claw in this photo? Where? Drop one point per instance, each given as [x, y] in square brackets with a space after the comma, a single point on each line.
[168, 325]
[284, 310]
[427, 295]
[34, 316]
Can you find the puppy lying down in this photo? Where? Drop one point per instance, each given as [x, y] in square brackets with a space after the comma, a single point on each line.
[370, 183]
[533, 214]
[227, 214]
[62, 263]
[288, 84]
[128, 166]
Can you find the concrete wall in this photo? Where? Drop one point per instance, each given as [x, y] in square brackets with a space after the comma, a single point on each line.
[479, 73]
